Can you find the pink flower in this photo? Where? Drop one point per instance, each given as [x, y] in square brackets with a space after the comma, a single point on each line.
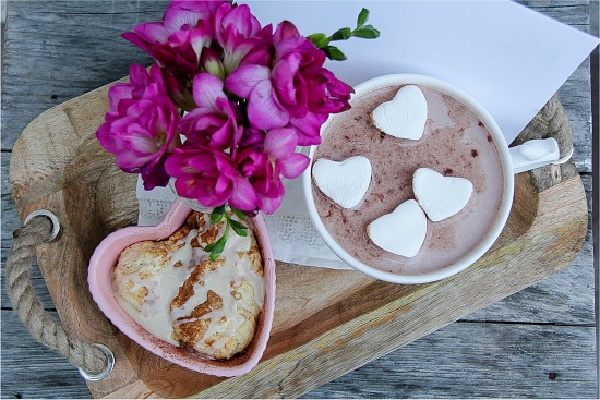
[235, 19]
[282, 94]
[214, 120]
[141, 126]
[177, 41]
[263, 166]
[207, 175]
[308, 128]
[236, 31]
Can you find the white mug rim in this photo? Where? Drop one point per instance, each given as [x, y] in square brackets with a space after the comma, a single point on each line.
[507, 195]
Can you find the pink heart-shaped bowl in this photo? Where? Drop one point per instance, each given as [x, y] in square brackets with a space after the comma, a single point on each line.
[99, 280]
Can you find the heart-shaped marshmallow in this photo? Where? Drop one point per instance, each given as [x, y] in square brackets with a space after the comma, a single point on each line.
[402, 232]
[440, 196]
[345, 182]
[404, 116]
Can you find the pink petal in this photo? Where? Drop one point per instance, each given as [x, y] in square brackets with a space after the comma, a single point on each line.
[118, 92]
[153, 32]
[138, 74]
[243, 20]
[202, 162]
[308, 128]
[269, 204]
[247, 77]
[184, 15]
[207, 88]
[236, 49]
[294, 165]
[200, 38]
[243, 196]
[263, 110]
[285, 30]
[282, 79]
[222, 185]
[280, 143]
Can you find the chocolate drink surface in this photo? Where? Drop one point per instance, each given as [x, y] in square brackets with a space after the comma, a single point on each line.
[455, 143]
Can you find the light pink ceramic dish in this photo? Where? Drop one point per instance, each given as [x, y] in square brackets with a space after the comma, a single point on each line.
[99, 281]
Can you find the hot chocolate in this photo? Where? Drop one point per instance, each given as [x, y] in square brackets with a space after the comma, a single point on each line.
[455, 142]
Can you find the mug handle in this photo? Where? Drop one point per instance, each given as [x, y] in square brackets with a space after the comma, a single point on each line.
[537, 153]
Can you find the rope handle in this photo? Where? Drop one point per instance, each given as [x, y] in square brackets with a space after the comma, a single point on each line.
[95, 361]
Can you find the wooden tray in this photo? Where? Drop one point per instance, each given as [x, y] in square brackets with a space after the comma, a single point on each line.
[327, 322]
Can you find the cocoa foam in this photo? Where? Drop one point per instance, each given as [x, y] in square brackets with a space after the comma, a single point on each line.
[455, 143]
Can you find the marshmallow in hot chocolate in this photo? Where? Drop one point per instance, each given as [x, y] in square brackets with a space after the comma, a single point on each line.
[455, 143]
[345, 182]
[404, 116]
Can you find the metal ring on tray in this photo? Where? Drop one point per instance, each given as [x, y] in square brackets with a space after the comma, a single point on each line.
[110, 363]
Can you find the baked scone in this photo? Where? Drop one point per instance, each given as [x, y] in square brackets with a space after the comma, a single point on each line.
[176, 292]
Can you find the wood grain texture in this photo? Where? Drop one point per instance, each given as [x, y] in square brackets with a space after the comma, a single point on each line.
[56, 24]
[476, 357]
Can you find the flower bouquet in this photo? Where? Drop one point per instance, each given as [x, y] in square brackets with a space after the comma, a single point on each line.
[225, 106]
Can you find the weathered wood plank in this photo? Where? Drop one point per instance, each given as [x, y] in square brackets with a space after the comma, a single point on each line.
[574, 13]
[480, 360]
[459, 361]
[566, 297]
[576, 100]
[30, 370]
[70, 47]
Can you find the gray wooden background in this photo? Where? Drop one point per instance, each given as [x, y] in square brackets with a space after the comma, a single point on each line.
[538, 343]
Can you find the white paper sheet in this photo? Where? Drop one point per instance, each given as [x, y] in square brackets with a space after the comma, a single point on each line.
[508, 57]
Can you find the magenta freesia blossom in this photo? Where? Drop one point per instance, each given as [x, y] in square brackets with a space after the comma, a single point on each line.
[264, 164]
[178, 40]
[296, 89]
[236, 31]
[141, 125]
[225, 105]
[208, 175]
[214, 120]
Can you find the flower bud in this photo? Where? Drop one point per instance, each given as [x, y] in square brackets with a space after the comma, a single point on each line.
[211, 63]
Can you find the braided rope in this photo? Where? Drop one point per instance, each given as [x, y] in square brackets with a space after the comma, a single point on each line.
[40, 323]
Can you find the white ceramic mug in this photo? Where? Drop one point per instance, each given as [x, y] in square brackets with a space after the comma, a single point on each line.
[519, 157]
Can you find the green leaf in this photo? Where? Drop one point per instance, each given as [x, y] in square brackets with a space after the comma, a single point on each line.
[341, 34]
[209, 247]
[218, 247]
[239, 213]
[219, 210]
[366, 32]
[239, 228]
[333, 53]
[217, 214]
[319, 40]
[215, 218]
[363, 17]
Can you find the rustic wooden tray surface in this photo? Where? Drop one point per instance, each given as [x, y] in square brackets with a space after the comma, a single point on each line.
[327, 322]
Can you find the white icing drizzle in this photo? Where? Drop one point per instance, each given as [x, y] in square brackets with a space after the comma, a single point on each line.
[158, 319]
[162, 288]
